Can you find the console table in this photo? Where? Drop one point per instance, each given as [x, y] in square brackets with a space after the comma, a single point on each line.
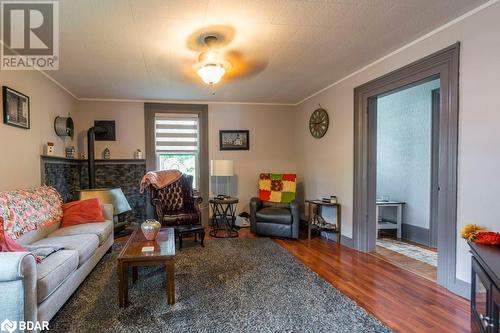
[485, 288]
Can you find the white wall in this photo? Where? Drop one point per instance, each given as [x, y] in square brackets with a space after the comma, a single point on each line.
[271, 137]
[404, 137]
[20, 148]
[326, 165]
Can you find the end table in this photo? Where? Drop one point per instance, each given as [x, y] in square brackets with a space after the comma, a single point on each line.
[223, 210]
[312, 217]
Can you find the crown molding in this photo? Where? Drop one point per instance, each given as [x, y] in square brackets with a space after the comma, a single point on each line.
[118, 100]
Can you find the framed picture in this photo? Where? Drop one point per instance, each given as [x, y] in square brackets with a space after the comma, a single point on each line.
[16, 108]
[234, 140]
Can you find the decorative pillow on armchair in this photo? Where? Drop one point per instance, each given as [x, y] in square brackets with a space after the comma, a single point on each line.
[277, 187]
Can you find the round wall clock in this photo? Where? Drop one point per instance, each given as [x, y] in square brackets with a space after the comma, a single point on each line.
[318, 123]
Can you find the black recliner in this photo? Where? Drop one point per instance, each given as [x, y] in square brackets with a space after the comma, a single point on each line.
[274, 219]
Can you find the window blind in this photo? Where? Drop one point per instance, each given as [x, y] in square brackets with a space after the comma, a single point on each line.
[176, 133]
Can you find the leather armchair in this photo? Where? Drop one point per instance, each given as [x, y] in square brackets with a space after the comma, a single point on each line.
[274, 219]
[176, 203]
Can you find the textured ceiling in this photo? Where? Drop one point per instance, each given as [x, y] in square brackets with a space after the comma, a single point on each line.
[283, 50]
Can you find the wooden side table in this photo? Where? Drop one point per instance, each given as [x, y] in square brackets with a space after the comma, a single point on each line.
[312, 216]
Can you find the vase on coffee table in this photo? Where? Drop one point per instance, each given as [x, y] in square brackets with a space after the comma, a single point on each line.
[150, 229]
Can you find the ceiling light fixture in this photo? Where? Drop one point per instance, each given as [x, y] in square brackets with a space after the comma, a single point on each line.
[211, 67]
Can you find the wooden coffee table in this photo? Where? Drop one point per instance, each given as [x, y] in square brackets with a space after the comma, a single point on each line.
[133, 256]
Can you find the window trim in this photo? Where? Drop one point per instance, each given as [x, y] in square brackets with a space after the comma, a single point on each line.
[150, 110]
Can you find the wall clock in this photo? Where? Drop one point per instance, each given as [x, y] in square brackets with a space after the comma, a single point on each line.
[318, 123]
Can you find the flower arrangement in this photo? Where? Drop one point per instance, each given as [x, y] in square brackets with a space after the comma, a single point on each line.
[479, 235]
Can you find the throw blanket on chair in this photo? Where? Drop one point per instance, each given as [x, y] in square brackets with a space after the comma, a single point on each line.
[159, 179]
[277, 187]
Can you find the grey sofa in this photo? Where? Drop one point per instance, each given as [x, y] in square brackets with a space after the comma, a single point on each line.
[274, 219]
[35, 292]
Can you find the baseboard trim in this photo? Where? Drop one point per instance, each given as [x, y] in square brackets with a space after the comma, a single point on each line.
[461, 288]
[346, 241]
[415, 234]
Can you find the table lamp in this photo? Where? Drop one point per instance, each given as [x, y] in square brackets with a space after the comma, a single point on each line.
[113, 196]
[222, 168]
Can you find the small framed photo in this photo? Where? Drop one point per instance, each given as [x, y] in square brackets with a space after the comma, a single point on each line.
[16, 108]
[234, 139]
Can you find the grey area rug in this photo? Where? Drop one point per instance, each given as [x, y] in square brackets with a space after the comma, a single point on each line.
[409, 250]
[231, 285]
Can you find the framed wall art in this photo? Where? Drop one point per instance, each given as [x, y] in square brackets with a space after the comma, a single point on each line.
[16, 108]
[234, 140]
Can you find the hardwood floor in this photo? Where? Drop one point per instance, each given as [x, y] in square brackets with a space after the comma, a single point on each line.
[402, 300]
[415, 266]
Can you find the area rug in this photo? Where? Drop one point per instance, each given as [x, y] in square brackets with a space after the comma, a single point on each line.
[409, 250]
[231, 285]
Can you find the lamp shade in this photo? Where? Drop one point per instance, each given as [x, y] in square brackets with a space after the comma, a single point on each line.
[113, 196]
[222, 168]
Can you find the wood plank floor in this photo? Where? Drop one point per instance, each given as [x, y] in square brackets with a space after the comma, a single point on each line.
[402, 300]
[415, 266]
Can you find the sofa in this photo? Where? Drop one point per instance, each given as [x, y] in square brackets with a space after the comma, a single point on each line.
[275, 212]
[31, 291]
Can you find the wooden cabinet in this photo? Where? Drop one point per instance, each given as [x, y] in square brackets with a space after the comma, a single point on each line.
[485, 289]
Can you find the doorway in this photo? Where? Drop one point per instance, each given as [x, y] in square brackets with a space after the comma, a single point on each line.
[445, 66]
[406, 135]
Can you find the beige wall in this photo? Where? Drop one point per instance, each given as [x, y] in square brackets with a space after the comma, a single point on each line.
[271, 137]
[20, 148]
[129, 119]
[272, 143]
[326, 165]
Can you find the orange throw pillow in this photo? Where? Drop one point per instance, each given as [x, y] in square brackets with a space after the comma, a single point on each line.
[83, 211]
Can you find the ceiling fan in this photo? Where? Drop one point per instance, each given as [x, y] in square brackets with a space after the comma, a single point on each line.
[217, 61]
[211, 66]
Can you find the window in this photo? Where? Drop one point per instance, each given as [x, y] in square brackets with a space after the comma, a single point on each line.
[177, 143]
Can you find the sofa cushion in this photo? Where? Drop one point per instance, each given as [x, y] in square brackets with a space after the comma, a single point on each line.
[85, 244]
[52, 272]
[101, 229]
[274, 215]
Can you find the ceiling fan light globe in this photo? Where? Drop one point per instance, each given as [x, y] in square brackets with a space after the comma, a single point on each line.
[211, 73]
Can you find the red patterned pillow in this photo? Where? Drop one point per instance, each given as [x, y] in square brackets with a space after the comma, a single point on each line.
[26, 210]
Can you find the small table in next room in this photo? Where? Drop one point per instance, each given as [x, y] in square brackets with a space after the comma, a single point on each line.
[385, 225]
[312, 217]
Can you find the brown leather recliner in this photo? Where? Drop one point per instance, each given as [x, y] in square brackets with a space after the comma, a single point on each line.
[176, 203]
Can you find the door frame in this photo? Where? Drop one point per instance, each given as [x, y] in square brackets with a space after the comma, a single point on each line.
[445, 65]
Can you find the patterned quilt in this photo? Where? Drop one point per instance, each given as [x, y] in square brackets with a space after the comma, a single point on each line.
[277, 187]
[26, 210]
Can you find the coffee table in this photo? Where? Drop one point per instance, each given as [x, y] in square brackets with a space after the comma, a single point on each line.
[133, 256]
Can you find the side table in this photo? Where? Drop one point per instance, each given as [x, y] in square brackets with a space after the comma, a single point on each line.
[223, 218]
[313, 217]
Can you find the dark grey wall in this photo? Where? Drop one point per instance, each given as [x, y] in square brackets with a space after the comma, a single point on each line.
[68, 176]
